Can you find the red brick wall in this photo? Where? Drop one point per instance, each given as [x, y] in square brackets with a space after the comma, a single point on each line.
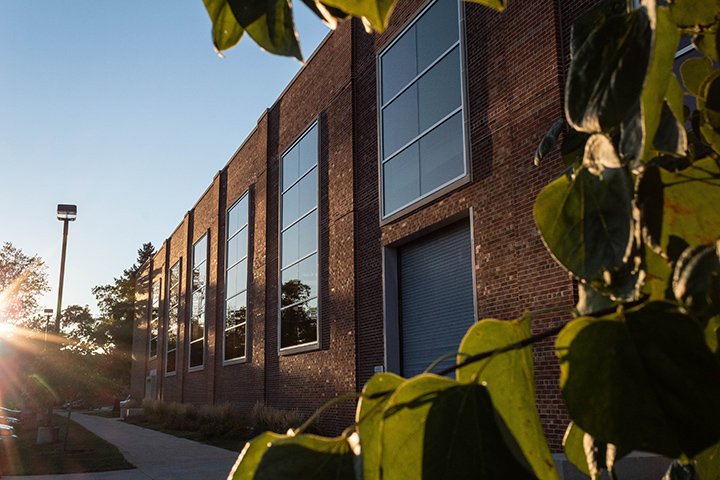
[515, 69]
[322, 90]
[176, 248]
[243, 384]
[198, 386]
[158, 275]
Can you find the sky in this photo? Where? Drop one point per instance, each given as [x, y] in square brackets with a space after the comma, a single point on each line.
[124, 109]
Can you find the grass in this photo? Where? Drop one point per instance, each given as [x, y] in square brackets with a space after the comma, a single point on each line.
[85, 452]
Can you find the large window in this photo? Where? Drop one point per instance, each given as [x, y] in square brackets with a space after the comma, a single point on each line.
[199, 292]
[154, 319]
[236, 280]
[299, 243]
[422, 147]
[171, 337]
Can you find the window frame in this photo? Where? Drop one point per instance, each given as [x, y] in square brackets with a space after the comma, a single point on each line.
[177, 264]
[201, 366]
[248, 277]
[466, 177]
[317, 344]
[154, 298]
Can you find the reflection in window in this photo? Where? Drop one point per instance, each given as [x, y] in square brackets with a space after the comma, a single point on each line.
[173, 325]
[199, 290]
[299, 243]
[421, 105]
[236, 280]
[154, 319]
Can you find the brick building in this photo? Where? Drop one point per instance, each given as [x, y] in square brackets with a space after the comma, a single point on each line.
[380, 207]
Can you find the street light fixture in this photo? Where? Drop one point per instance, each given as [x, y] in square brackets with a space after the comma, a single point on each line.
[65, 213]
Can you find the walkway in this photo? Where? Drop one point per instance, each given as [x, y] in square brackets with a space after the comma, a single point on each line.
[158, 456]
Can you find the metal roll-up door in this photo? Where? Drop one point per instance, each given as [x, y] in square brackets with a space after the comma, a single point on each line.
[436, 296]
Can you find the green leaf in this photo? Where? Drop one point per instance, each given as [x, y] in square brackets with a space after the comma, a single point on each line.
[707, 464]
[548, 141]
[226, 30]
[657, 276]
[696, 281]
[573, 444]
[707, 44]
[693, 71]
[307, 457]
[689, 13]
[680, 204]
[435, 427]
[247, 463]
[712, 333]
[498, 5]
[607, 73]
[594, 16]
[376, 12]
[665, 42]
[375, 395]
[670, 136]
[510, 381]
[330, 15]
[644, 380]
[591, 301]
[585, 221]
[270, 24]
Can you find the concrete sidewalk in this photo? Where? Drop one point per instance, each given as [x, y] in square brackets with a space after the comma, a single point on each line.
[157, 456]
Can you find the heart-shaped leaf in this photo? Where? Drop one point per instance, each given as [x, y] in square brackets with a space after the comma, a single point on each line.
[369, 414]
[247, 463]
[434, 427]
[307, 457]
[510, 381]
[585, 221]
[696, 281]
[689, 13]
[644, 380]
[607, 72]
[226, 31]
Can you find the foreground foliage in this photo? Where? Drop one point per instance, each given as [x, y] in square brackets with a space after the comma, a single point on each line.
[635, 218]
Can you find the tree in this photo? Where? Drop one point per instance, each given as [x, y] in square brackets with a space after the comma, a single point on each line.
[634, 218]
[114, 327]
[23, 279]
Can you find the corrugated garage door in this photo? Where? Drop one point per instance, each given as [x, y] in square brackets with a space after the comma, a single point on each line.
[436, 296]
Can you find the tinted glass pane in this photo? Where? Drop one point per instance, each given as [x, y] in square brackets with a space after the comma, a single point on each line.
[236, 311]
[171, 361]
[235, 343]
[439, 90]
[290, 166]
[236, 279]
[196, 353]
[437, 30]
[197, 327]
[441, 154]
[198, 277]
[154, 322]
[198, 303]
[300, 239]
[238, 216]
[300, 199]
[307, 151]
[298, 324]
[200, 251]
[175, 275]
[400, 121]
[153, 347]
[299, 282]
[399, 65]
[401, 179]
[172, 341]
[237, 247]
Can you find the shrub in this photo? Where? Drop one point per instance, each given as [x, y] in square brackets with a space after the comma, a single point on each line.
[264, 417]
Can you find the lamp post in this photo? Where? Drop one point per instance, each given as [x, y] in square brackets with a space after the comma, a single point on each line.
[48, 315]
[66, 214]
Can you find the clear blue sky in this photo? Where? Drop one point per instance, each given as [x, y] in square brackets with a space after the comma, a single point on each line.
[123, 108]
